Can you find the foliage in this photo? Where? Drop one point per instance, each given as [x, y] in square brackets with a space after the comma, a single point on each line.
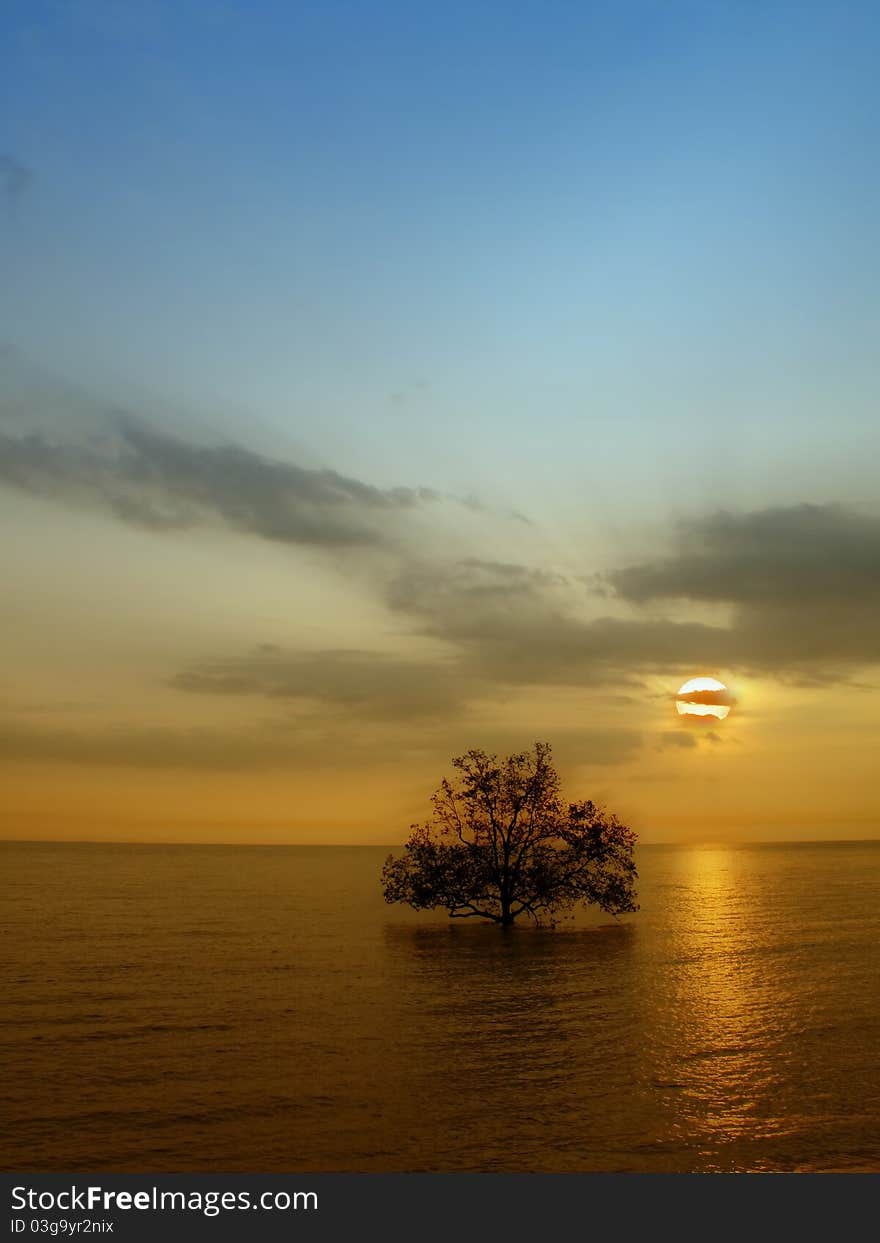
[502, 843]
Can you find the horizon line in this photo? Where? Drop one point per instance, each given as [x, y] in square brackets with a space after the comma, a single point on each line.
[90, 841]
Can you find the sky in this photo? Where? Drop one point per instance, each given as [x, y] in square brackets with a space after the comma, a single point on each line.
[383, 380]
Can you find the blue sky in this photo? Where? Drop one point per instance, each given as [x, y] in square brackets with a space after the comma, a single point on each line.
[358, 224]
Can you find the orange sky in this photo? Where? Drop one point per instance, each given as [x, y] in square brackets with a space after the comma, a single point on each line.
[203, 684]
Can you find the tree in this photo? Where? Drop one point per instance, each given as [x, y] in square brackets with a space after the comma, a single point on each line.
[503, 844]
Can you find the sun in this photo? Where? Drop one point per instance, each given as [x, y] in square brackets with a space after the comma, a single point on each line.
[704, 697]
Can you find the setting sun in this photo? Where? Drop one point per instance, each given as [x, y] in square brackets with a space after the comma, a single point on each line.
[703, 697]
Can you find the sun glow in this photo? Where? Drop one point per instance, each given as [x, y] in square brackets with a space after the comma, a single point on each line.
[703, 697]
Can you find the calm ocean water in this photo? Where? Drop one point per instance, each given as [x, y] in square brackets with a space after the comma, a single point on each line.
[184, 1008]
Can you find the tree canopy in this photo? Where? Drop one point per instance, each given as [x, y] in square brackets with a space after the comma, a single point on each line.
[502, 843]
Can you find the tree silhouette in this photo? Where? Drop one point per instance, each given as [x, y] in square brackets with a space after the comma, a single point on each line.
[503, 844]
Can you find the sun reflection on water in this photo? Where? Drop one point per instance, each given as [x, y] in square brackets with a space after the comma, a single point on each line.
[727, 1012]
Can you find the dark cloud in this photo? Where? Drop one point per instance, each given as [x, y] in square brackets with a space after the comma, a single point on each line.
[150, 479]
[518, 624]
[357, 683]
[801, 587]
[803, 584]
[771, 558]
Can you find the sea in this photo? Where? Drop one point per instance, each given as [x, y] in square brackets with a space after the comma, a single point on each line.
[261, 1009]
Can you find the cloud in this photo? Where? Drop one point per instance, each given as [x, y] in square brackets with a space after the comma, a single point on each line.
[582, 747]
[797, 587]
[803, 583]
[800, 585]
[15, 179]
[723, 698]
[673, 738]
[468, 597]
[772, 557]
[147, 478]
[154, 747]
[358, 683]
[567, 650]
[518, 624]
[293, 745]
[404, 705]
[62, 442]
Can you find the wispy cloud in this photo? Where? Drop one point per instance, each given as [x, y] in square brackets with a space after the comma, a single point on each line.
[148, 478]
[66, 444]
[165, 747]
[677, 739]
[359, 683]
[15, 179]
